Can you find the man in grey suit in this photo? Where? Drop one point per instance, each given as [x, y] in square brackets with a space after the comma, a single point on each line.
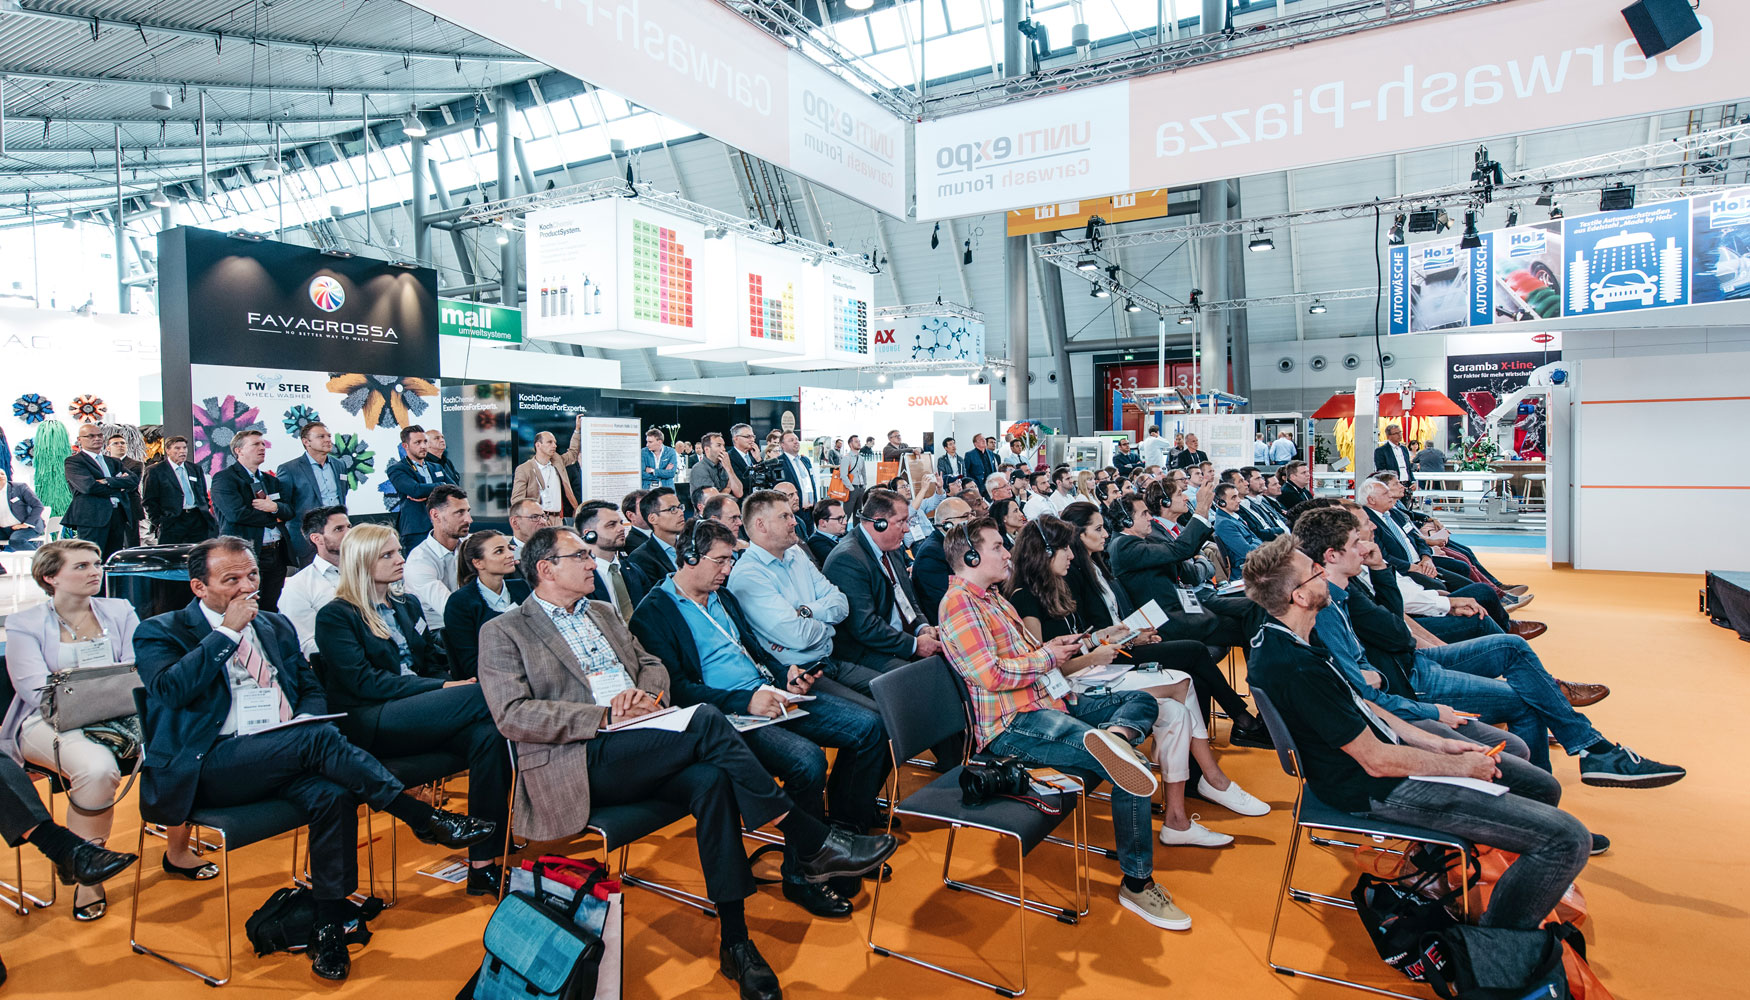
[559, 670]
[313, 482]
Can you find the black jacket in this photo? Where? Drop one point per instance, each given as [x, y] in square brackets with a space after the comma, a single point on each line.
[1391, 548]
[645, 568]
[464, 613]
[1293, 496]
[866, 635]
[164, 493]
[1188, 458]
[92, 491]
[362, 671]
[662, 630]
[233, 493]
[1386, 460]
[979, 466]
[1378, 618]
[182, 661]
[821, 545]
[1151, 567]
[929, 574]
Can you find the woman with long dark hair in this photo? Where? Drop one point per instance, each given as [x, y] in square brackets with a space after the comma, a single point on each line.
[1009, 518]
[1040, 588]
[1103, 600]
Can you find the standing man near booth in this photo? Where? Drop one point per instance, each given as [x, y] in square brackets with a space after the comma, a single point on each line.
[546, 478]
[414, 478]
[252, 505]
[314, 482]
[1391, 456]
[799, 472]
[176, 497]
[104, 493]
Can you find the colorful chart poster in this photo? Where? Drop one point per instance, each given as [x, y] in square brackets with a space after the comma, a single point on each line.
[1526, 269]
[848, 317]
[1439, 283]
[1721, 246]
[1625, 261]
[662, 275]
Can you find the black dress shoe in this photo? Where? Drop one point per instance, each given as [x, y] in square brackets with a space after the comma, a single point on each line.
[194, 873]
[846, 854]
[328, 957]
[485, 881]
[94, 910]
[454, 830]
[846, 888]
[93, 865]
[1254, 735]
[820, 900]
[743, 964]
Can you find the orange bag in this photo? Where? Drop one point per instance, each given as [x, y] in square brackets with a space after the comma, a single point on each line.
[1493, 863]
[1583, 983]
[837, 488]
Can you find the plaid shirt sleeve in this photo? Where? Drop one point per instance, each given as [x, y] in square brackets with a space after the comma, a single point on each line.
[1003, 666]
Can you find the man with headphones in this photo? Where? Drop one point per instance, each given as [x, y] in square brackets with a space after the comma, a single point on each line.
[1020, 708]
[929, 568]
[886, 626]
[604, 536]
[663, 511]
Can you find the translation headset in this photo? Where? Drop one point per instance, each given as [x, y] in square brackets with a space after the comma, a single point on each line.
[971, 557]
[1121, 514]
[590, 536]
[1043, 539]
[878, 523]
[689, 547]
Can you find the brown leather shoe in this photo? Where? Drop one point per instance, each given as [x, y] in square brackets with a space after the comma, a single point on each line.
[1527, 630]
[1582, 695]
[1517, 589]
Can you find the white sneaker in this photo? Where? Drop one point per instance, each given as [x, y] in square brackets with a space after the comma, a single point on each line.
[1234, 799]
[1195, 835]
[1127, 768]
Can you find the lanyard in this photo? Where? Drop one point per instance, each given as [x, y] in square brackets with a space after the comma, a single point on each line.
[733, 641]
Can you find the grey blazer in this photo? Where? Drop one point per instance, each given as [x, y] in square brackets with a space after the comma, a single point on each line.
[33, 651]
[539, 697]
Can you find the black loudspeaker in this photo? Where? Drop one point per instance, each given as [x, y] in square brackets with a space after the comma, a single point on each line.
[1660, 25]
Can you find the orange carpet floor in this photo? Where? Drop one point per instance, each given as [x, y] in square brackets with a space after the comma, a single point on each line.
[1668, 903]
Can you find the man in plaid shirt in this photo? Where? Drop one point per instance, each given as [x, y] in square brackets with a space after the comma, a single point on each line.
[1021, 708]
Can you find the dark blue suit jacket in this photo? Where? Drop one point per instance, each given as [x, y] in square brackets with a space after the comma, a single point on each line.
[1394, 553]
[979, 465]
[300, 480]
[412, 516]
[182, 660]
[232, 493]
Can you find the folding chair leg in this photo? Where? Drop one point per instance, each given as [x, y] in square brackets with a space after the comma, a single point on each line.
[1063, 914]
[1021, 886]
[678, 895]
[134, 914]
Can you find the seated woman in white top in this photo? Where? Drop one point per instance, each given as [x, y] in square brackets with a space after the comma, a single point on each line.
[75, 628]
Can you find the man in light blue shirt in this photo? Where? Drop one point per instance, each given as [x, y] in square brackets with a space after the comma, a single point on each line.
[1282, 449]
[791, 606]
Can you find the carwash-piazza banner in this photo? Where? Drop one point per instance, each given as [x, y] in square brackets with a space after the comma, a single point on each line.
[699, 63]
[1506, 69]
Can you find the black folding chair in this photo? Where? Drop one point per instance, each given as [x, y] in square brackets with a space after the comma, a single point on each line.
[618, 827]
[1312, 814]
[920, 706]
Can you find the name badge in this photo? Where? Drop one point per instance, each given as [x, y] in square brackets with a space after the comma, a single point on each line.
[257, 708]
[1056, 685]
[91, 652]
[1188, 602]
[605, 684]
[274, 496]
[419, 626]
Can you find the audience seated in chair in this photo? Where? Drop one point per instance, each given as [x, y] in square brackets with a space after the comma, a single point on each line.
[485, 570]
[313, 586]
[383, 668]
[560, 669]
[654, 558]
[929, 568]
[218, 670]
[431, 564]
[886, 625]
[699, 630]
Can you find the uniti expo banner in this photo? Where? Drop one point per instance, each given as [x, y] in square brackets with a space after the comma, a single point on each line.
[1506, 69]
[270, 337]
[1672, 253]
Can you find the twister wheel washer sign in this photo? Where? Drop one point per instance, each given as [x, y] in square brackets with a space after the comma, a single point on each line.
[1625, 261]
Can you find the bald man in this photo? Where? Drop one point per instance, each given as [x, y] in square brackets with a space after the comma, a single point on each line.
[929, 570]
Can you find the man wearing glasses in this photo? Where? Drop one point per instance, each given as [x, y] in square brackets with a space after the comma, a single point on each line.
[744, 451]
[830, 521]
[655, 559]
[929, 568]
[526, 518]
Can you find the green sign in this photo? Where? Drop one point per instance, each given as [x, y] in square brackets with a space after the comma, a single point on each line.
[480, 321]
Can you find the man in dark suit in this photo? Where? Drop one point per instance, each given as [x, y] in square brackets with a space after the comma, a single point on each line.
[1393, 457]
[950, 465]
[799, 472]
[252, 505]
[414, 479]
[176, 497]
[218, 672]
[981, 462]
[830, 520]
[1296, 480]
[744, 453]
[1191, 456]
[655, 559]
[21, 517]
[313, 482]
[105, 496]
[929, 567]
[603, 531]
[637, 529]
[1150, 561]
[886, 626]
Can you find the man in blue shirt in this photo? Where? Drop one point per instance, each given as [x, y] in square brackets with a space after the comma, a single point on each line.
[714, 657]
[1236, 539]
[314, 481]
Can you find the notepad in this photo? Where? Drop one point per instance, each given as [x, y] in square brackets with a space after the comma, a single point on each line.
[672, 720]
[788, 696]
[1149, 615]
[748, 723]
[296, 720]
[1474, 784]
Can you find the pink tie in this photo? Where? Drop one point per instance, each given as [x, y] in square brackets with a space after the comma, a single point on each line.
[259, 669]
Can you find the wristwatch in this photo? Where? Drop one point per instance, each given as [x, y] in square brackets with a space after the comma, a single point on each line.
[804, 612]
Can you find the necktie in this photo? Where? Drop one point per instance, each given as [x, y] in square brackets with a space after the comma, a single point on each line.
[187, 490]
[617, 584]
[259, 669]
[906, 615]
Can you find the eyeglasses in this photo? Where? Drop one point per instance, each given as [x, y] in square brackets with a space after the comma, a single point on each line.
[658, 512]
[720, 561]
[1318, 571]
[580, 554]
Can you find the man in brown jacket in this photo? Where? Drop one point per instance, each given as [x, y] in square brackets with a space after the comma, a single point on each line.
[546, 478]
[559, 670]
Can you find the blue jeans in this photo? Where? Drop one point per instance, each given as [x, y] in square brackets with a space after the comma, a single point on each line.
[1054, 739]
[1499, 678]
[1458, 628]
[792, 752]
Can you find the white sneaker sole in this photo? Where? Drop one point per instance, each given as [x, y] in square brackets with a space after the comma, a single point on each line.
[1161, 922]
[1250, 805]
[1120, 763]
[1213, 839]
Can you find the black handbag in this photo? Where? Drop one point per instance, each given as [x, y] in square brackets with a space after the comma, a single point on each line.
[1499, 963]
[1399, 914]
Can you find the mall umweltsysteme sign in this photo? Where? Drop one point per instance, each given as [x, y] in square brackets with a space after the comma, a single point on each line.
[497, 325]
[1506, 69]
[1671, 253]
[271, 337]
[698, 62]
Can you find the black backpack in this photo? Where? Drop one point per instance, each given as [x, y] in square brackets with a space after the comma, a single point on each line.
[287, 921]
